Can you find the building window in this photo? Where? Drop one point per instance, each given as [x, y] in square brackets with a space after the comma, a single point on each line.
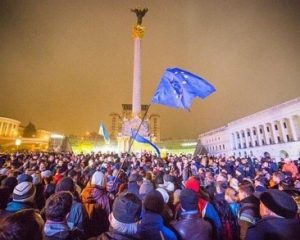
[288, 137]
[284, 124]
[223, 146]
[268, 130]
[220, 147]
[276, 128]
[248, 134]
[238, 136]
[260, 130]
[254, 132]
[243, 135]
[263, 142]
[256, 143]
[278, 138]
[270, 140]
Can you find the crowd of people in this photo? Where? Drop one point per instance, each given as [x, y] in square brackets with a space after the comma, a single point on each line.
[50, 195]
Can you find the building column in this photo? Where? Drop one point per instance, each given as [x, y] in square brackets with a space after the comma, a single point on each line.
[1, 127]
[6, 130]
[258, 135]
[274, 133]
[246, 138]
[235, 140]
[252, 137]
[292, 125]
[267, 138]
[283, 132]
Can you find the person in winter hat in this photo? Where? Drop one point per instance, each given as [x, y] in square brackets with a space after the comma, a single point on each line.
[78, 215]
[278, 210]
[96, 202]
[151, 225]
[123, 220]
[23, 197]
[190, 226]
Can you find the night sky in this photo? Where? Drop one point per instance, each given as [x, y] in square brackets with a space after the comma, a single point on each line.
[66, 65]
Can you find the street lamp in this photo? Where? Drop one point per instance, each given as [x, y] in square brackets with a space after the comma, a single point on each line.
[18, 143]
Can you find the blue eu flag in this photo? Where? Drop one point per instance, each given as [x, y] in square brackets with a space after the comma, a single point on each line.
[137, 137]
[178, 88]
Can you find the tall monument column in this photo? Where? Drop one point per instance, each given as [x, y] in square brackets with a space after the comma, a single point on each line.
[138, 34]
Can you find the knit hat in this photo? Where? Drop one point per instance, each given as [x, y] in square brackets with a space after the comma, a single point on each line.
[189, 199]
[24, 192]
[36, 178]
[164, 193]
[135, 178]
[24, 178]
[98, 179]
[169, 186]
[65, 184]
[10, 183]
[154, 202]
[46, 173]
[168, 178]
[279, 202]
[127, 208]
[193, 184]
[146, 187]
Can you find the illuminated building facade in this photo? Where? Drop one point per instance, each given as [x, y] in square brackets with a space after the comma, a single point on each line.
[9, 127]
[274, 132]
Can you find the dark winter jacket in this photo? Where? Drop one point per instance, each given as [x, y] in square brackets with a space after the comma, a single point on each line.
[191, 226]
[151, 227]
[274, 228]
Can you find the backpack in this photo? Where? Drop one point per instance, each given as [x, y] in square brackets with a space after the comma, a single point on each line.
[229, 221]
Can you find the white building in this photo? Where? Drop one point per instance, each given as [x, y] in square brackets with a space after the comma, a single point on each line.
[9, 127]
[274, 132]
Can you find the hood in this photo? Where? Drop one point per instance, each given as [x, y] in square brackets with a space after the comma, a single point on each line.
[17, 206]
[151, 222]
[92, 194]
[51, 229]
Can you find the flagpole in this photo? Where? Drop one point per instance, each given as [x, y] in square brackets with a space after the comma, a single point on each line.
[131, 141]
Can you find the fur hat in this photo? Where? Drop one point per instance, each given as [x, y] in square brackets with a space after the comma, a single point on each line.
[24, 192]
[279, 202]
[127, 208]
[164, 193]
[154, 202]
[189, 199]
[98, 179]
[193, 184]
